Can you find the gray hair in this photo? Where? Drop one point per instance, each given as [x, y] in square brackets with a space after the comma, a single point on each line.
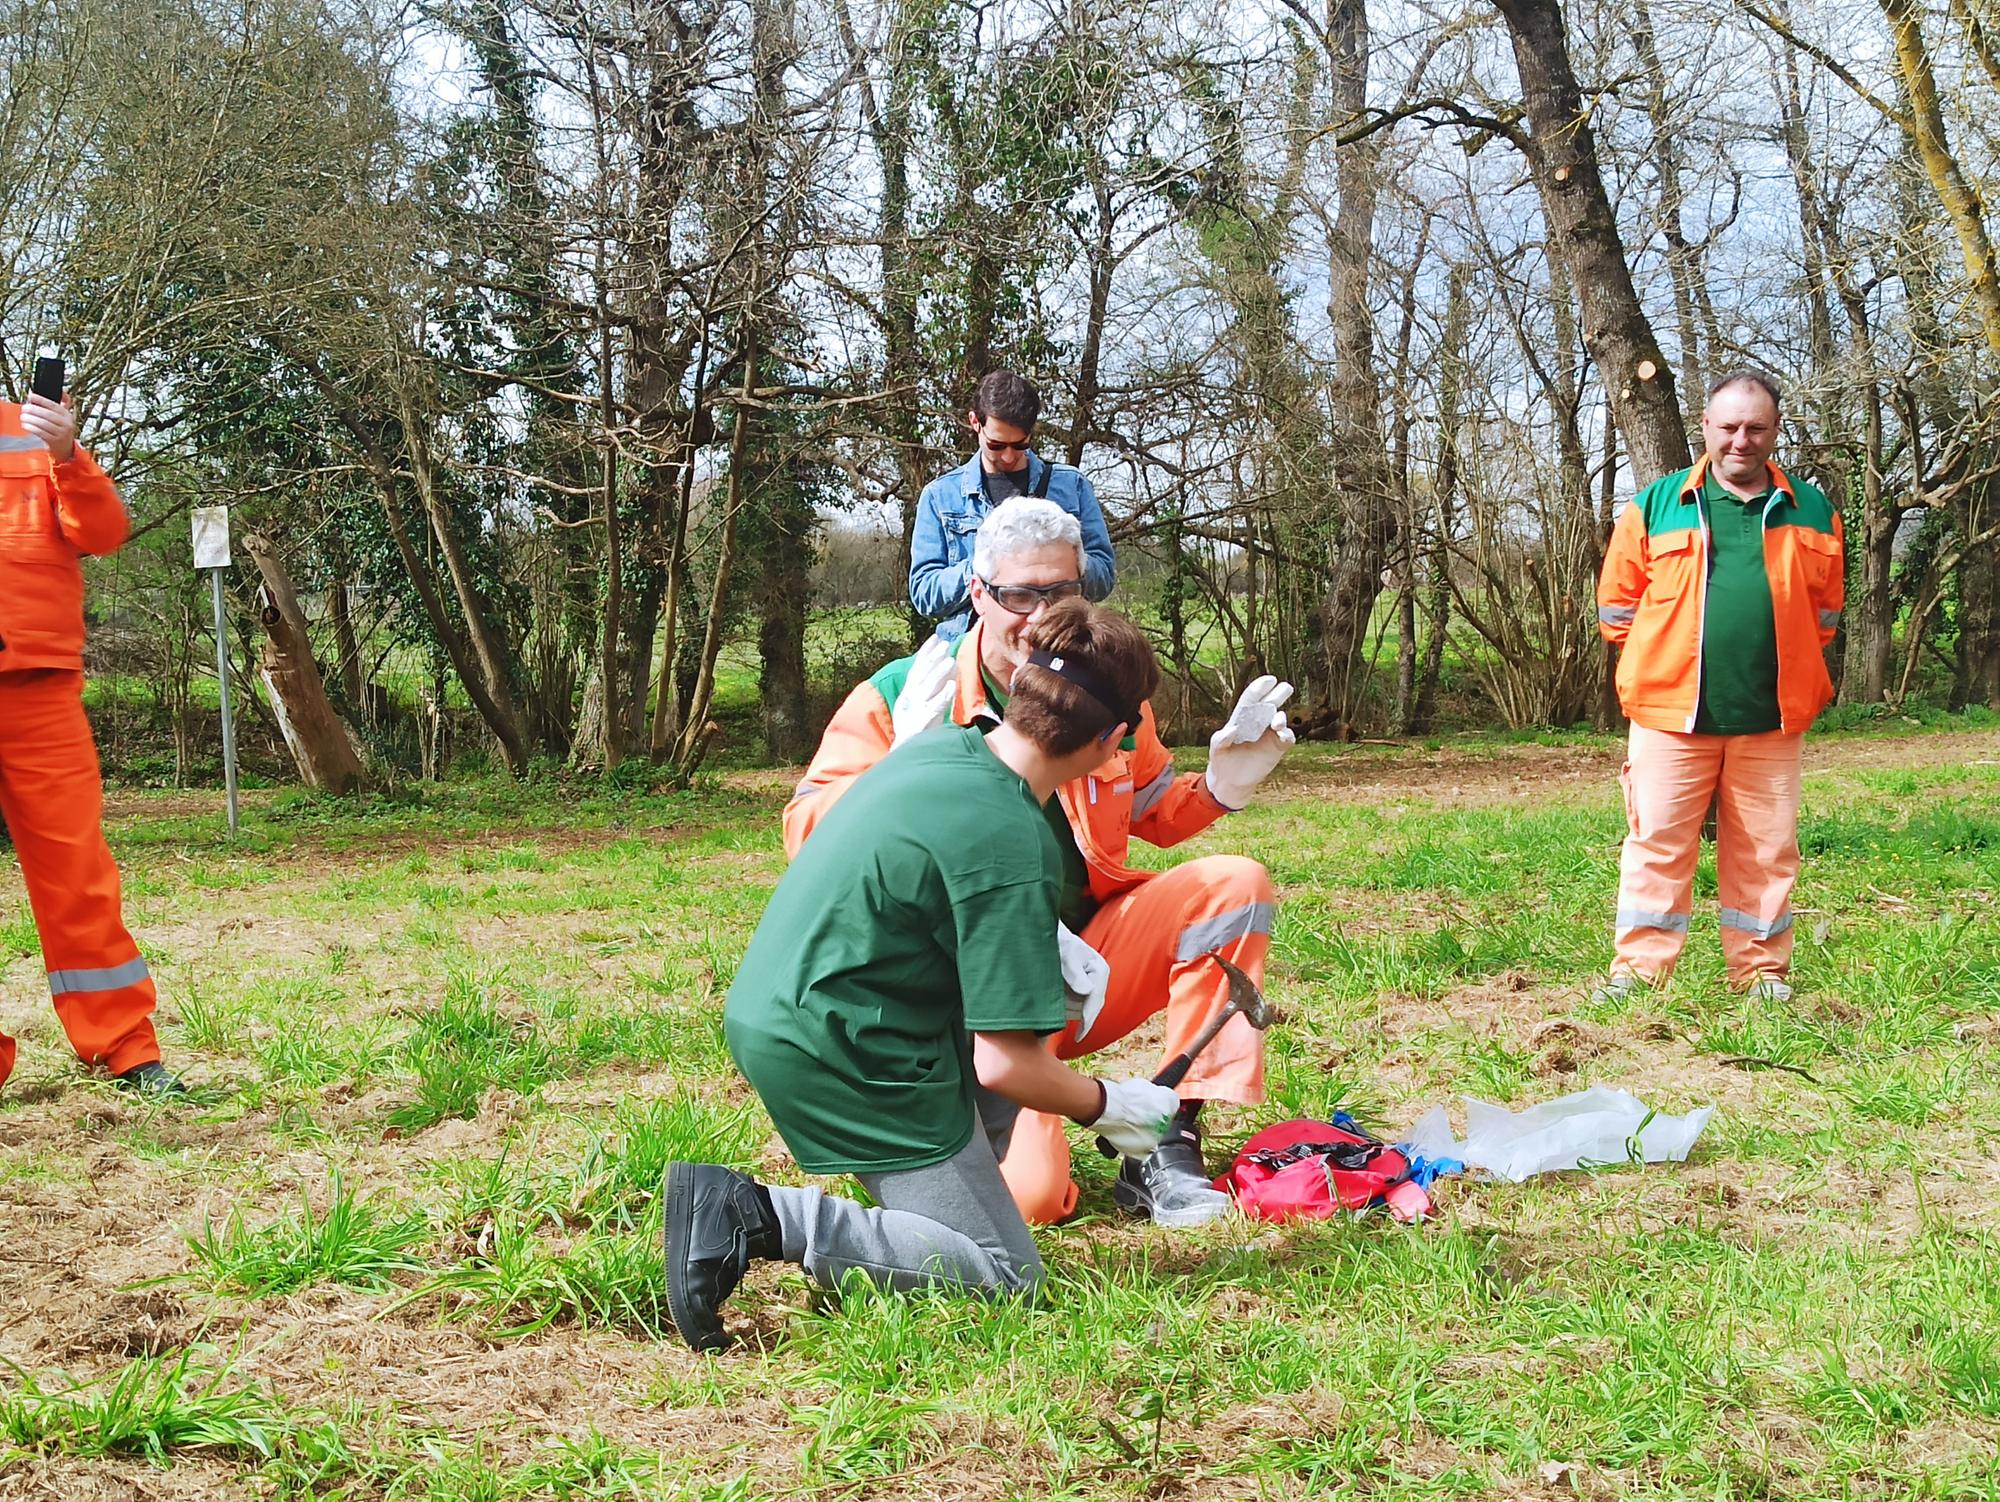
[1016, 525]
[1748, 376]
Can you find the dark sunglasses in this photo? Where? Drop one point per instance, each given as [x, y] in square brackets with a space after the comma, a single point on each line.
[1005, 446]
[1021, 599]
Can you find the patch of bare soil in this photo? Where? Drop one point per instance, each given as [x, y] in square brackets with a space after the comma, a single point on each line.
[118, 1479]
[1456, 777]
[326, 1347]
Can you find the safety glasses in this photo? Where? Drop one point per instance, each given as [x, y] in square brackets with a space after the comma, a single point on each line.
[1021, 599]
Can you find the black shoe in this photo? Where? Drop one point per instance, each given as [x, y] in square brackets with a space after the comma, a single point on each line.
[1170, 1185]
[716, 1221]
[152, 1079]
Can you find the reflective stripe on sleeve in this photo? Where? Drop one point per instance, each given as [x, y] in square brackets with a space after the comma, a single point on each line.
[1152, 792]
[1829, 620]
[1616, 615]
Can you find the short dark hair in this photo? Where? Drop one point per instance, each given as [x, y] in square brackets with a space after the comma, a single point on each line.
[1748, 375]
[1011, 398]
[1056, 714]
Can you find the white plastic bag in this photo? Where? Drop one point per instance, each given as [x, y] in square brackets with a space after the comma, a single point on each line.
[1589, 1129]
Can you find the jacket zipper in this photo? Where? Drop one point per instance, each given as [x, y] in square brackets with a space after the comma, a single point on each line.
[1701, 610]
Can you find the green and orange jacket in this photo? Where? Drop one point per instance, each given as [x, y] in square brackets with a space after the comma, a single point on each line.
[1135, 792]
[51, 515]
[1653, 594]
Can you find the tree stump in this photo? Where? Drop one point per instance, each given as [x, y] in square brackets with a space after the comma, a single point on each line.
[320, 741]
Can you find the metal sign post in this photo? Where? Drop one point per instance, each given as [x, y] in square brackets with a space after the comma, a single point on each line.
[211, 552]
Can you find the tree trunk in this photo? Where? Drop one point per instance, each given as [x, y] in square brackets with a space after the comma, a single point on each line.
[1451, 400]
[320, 741]
[1364, 514]
[1976, 674]
[487, 649]
[888, 124]
[1101, 265]
[352, 686]
[418, 570]
[609, 676]
[695, 729]
[1583, 233]
[1926, 129]
[789, 734]
[1684, 268]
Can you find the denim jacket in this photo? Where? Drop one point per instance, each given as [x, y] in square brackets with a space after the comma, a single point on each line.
[949, 513]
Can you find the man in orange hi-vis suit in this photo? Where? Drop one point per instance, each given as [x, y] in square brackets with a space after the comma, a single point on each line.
[55, 506]
[1133, 943]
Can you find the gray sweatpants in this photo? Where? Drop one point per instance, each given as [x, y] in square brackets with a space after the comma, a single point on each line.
[953, 1224]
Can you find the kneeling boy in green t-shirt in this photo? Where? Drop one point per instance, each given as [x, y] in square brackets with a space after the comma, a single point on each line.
[911, 930]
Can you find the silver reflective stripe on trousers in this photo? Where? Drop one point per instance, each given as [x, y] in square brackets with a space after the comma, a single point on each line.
[1210, 934]
[1735, 918]
[111, 978]
[1152, 792]
[1630, 918]
[1829, 620]
[1617, 615]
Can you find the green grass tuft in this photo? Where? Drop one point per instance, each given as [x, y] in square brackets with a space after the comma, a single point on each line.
[353, 1241]
[155, 1407]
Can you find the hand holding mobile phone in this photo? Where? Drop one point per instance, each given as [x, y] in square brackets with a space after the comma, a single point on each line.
[53, 424]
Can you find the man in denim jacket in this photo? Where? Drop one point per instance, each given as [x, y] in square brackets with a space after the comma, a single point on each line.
[1003, 416]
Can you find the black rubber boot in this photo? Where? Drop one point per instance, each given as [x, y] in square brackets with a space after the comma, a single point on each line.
[1170, 1184]
[716, 1221]
[152, 1079]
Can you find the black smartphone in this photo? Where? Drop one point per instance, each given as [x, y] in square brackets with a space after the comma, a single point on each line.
[48, 380]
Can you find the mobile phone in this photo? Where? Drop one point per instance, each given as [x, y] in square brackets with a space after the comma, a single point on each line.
[48, 380]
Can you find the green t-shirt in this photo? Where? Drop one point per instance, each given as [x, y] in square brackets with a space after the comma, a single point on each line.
[1739, 632]
[922, 910]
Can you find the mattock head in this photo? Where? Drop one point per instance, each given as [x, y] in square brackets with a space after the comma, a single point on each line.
[1246, 998]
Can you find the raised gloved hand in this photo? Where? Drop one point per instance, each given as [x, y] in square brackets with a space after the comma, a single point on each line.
[1250, 743]
[1136, 1115]
[1086, 974]
[927, 692]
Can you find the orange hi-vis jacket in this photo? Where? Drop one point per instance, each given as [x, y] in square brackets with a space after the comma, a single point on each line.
[1652, 598]
[50, 516]
[1135, 792]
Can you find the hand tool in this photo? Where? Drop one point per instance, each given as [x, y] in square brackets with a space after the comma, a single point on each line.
[1245, 1000]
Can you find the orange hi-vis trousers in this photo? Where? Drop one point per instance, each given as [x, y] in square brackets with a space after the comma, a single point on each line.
[1669, 780]
[1158, 938]
[52, 797]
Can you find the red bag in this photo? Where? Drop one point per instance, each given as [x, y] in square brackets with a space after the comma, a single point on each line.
[1307, 1170]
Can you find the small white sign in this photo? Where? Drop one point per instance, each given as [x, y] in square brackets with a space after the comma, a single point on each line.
[211, 536]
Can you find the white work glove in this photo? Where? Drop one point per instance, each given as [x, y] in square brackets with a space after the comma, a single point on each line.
[927, 692]
[1136, 1115]
[1250, 743]
[1086, 974]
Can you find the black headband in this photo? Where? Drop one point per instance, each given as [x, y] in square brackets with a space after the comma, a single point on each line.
[1075, 672]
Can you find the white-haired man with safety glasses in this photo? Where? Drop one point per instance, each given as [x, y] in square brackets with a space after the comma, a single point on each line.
[1134, 943]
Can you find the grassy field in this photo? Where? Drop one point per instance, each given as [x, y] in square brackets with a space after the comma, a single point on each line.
[405, 1242]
